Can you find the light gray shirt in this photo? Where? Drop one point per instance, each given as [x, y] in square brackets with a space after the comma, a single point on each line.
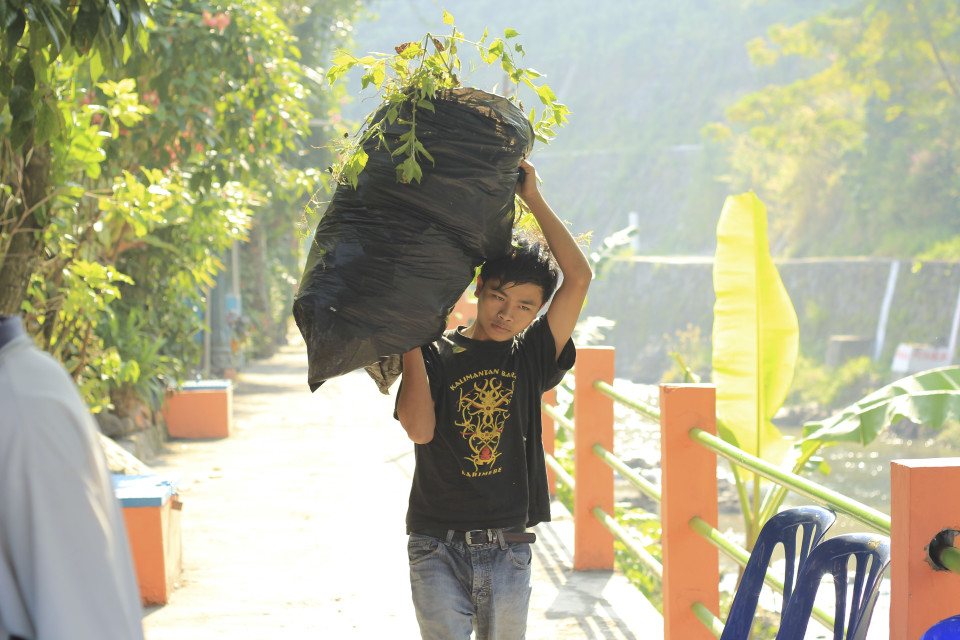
[65, 564]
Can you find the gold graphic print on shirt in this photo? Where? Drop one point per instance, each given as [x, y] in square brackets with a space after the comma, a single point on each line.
[484, 408]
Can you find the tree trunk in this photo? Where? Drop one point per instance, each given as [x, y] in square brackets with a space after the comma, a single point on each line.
[26, 244]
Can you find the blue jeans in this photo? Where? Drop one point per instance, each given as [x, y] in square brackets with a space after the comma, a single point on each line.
[458, 588]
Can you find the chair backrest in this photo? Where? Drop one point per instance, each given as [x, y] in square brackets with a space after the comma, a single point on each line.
[948, 629]
[812, 522]
[872, 555]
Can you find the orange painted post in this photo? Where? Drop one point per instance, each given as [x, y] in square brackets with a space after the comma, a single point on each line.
[921, 507]
[691, 567]
[151, 514]
[593, 424]
[550, 437]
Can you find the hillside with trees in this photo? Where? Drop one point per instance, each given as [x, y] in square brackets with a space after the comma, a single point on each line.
[841, 115]
[641, 81]
[860, 155]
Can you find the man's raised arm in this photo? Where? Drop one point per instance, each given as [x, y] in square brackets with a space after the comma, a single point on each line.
[568, 300]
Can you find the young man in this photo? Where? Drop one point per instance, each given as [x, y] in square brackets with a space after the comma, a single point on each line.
[471, 403]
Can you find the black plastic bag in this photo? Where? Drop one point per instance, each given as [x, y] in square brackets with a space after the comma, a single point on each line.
[389, 260]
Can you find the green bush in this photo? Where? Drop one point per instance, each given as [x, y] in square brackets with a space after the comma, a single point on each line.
[834, 388]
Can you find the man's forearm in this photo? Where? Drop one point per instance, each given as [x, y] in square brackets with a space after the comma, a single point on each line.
[415, 404]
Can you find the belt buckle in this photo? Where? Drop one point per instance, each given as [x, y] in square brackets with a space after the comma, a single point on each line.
[468, 536]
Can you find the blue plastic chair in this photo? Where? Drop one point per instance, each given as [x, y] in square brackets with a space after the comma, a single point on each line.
[872, 554]
[813, 522]
[948, 629]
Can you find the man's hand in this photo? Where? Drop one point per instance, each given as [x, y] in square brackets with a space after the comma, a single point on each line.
[568, 300]
[527, 187]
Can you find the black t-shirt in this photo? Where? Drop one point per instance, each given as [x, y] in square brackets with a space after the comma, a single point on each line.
[485, 466]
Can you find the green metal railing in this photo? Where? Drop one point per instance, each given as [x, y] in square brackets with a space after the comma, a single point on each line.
[642, 555]
[562, 474]
[866, 515]
[872, 518]
[710, 621]
[561, 419]
[565, 478]
[638, 481]
[640, 407]
[950, 558]
[609, 522]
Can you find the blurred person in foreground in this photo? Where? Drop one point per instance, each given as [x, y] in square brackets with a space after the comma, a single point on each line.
[65, 565]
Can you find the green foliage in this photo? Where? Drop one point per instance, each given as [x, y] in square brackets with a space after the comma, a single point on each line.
[158, 162]
[407, 82]
[763, 375]
[947, 249]
[832, 389]
[858, 155]
[930, 398]
[645, 528]
[37, 33]
[62, 309]
[755, 330]
[691, 354]
[755, 343]
[73, 289]
[142, 368]
[616, 245]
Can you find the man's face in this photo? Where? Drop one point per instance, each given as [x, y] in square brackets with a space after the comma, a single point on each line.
[504, 310]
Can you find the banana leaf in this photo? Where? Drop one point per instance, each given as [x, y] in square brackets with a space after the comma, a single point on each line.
[930, 398]
[755, 331]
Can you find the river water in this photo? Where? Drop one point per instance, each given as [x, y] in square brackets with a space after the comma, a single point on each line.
[862, 473]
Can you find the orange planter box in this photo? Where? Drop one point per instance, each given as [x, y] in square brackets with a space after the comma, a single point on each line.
[151, 512]
[202, 409]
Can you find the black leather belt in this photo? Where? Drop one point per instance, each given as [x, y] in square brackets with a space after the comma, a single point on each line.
[480, 536]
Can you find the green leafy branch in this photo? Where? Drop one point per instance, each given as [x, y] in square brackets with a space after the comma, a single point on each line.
[37, 33]
[409, 79]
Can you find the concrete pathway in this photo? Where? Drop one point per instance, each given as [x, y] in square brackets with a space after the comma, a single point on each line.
[293, 526]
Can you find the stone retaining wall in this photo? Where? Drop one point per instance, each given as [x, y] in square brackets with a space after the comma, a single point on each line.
[650, 298]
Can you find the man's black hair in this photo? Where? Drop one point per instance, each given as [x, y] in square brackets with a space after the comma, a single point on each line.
[528, 262]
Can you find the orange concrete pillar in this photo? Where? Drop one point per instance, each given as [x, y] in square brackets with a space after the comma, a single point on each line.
[550, 437]
[151, 515]
[922, 505]
[691, 569]
[155, 544]
[593, 424]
